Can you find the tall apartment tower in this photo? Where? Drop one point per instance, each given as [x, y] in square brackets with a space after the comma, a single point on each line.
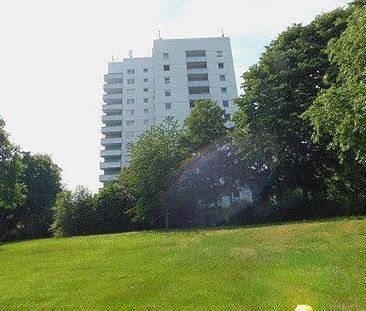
[141, 92]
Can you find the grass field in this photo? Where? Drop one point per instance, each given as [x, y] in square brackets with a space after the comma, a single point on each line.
[262, 268]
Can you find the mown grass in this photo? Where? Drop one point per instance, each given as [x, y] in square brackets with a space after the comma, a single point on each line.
[262, 268]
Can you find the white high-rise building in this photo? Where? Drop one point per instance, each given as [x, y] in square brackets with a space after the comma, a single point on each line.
[141, 92]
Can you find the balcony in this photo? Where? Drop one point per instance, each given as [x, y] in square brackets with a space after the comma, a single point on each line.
[199, 83]
[197, 71]
[108, 118]
[115, 88]
[196, 53]
[104, 165]
[110, 141]
[110, 153]
[112, 107]
[196, 59]
[113, 98]
[199, 96]
[111, 129]
[105, 178]
[113, 78]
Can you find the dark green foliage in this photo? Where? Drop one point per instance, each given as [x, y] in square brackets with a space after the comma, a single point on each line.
[111, 205]
[272, 138]
[43, 180]
[74, 213]
[204, 124]
[12, 189]
[339, 112]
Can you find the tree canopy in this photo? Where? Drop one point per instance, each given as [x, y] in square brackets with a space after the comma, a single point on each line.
[339, 112]
[270, 134]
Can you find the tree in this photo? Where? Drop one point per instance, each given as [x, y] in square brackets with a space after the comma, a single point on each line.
[155, 159]
[43, 180]
[339, 112]
[111, 205]
[204, 124]
[277, 91]
[12, 189]
[74, 213]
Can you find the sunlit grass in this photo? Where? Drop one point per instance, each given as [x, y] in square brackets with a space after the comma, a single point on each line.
[263, 268]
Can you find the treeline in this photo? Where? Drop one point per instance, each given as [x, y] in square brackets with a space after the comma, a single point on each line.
[295, 149]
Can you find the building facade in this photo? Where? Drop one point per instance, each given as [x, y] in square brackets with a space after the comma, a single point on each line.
[141, 92]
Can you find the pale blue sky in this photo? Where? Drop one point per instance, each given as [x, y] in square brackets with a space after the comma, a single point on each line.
[54, 53]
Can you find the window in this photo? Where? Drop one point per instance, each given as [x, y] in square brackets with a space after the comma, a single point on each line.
[130, 101]
[130, 112]
[166, 80]
[225, 103]
[168, 106]
[146, 70]
[166, 55]
[146, 110]
[146, 121]
[221, 65]
[130, 91]
[130, 122]
[130, 71]
[168, 93]
[146, 90]
[192, 103]
[222, 78]
[146, 100]
[166, 67]
[130, 81]
[224, 90]
[219, 53]
[226, 117]
[168, 119]
[146, 79]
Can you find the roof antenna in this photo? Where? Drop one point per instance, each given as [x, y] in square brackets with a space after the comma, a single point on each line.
[159, 35]
[130, 53]
[222, 30]
[112, 58]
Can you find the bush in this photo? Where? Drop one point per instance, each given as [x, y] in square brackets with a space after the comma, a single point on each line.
[111, 205]
[74, 213]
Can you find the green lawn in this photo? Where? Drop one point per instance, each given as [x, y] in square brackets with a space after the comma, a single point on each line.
[264, 268]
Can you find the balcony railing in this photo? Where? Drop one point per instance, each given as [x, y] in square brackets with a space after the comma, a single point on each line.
[196, 58]
[113, 78]
[109, 153]
[110, 141]
[111, 129]
[105, 178]
[196, 70]
[112, 107]
[199, 83]
[114, 88]
[117, 117]
[104, 165]
[112, 97]
[199, 96]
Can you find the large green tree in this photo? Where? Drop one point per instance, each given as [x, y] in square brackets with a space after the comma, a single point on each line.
[43, 180]
[339, 112]
[12, 188]
[155, 159]
[277, 91]
[204, 124]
